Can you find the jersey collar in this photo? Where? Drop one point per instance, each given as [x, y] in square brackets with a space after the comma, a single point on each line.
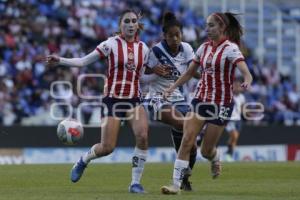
[167, 48]
[219, 44]
[136, 37]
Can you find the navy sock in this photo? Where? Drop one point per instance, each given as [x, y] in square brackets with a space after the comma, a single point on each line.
[177, 137]
[230, 149]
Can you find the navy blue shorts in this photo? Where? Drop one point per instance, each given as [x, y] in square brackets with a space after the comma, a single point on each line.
[153, 107]
[113, 107]
[183, 107]
[214, 114]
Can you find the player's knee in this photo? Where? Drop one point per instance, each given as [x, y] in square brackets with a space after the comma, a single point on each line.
[141, 133]
[234, 140]
[188, 135]
[187, 142]
[142, 139]
[235, 137]
[207, 152]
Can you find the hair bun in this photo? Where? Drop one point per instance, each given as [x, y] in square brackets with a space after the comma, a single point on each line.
[169, 16]
[170, 20]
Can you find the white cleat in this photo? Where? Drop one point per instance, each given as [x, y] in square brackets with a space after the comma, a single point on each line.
[170, 190]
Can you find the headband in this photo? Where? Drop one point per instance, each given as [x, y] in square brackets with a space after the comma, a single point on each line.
[220, 18]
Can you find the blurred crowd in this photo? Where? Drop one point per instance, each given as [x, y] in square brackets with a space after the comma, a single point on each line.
[31, 29]
[277, 92]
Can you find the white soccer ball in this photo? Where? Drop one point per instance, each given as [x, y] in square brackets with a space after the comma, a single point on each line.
[70, 131]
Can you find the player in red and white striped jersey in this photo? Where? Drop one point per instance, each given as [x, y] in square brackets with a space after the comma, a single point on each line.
[126, 61]
[126, 58]
[217, 64]
[212, 103]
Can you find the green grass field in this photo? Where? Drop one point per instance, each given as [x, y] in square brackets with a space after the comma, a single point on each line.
[110, 181]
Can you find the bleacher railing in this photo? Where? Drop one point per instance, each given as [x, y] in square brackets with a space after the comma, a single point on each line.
[286, 63]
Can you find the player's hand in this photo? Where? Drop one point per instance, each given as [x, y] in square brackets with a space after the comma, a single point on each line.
[161, 70]
[168, 92]
[246, 85]
[52, 60]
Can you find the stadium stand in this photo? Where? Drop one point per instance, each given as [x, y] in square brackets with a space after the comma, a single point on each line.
[29, 30]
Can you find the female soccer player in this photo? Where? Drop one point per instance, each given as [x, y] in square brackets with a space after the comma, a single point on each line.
[212, 103]
[126, 57]
[169, 59]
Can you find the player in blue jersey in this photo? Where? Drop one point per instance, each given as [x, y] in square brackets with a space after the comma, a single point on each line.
[167, 61]
[233, 128]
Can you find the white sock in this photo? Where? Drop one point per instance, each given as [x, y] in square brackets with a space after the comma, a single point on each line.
[179, 167]
[90, 155]
[138, 160]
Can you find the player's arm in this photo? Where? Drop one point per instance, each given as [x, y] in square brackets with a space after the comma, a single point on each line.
[190, 57]
[155, 67]
[242, 66]
[243, 105]
[159, 70]
[54, 60]
[191, 71]
[197, 75]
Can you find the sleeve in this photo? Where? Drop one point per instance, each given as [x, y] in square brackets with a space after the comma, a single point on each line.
[152, 60]
[234, 54]
[145, 58]
[198, 54]
[189, 53]
[104, 48]
[80, 62]
[146, 54]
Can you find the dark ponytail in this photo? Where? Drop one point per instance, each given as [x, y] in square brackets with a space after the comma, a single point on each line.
[170, 20]
[233, 30]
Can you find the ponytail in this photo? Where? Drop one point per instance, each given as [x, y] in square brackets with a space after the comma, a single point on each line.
[233, 29]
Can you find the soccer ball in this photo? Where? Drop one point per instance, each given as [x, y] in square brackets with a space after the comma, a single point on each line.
[70, 131]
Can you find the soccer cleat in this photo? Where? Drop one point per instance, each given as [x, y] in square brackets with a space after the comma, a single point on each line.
[136, 188]
[186, 184]
[77, 170]
[215, 169]
[170, 190]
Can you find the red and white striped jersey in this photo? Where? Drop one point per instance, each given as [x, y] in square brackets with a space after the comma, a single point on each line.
[217, 66]
[125, 65]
